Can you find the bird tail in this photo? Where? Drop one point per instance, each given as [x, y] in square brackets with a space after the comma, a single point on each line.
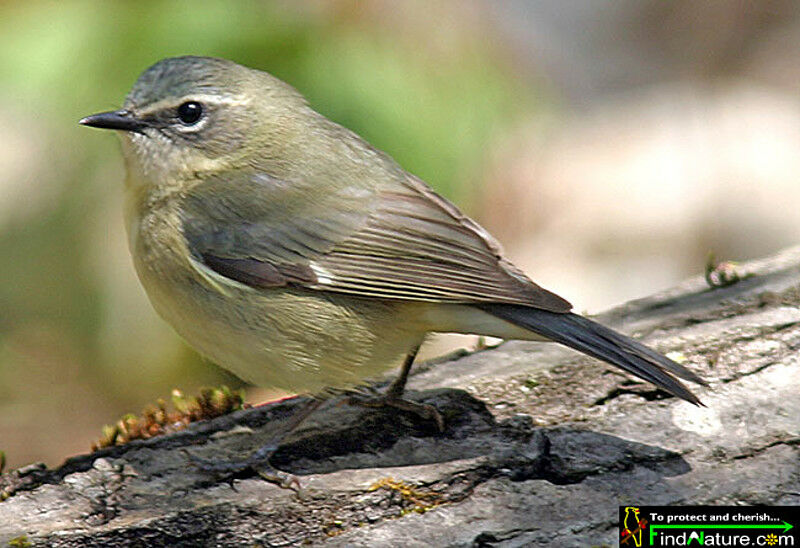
[598, 341]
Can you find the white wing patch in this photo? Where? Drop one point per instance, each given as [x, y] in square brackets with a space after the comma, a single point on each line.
[323, 276]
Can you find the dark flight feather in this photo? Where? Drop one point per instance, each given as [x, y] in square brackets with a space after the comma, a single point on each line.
[602, 343]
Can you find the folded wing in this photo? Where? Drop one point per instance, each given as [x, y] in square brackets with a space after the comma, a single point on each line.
[400, 241]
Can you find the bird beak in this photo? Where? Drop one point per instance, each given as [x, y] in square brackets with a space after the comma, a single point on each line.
[116, 119]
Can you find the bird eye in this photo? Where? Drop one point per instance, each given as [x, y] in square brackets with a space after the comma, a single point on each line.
[190, 112]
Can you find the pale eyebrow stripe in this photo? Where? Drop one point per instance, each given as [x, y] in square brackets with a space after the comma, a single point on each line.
[200, 98]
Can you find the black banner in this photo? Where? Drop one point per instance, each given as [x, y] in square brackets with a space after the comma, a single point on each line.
[709, 526]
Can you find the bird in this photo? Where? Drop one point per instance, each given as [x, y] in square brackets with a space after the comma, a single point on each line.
[285, 248]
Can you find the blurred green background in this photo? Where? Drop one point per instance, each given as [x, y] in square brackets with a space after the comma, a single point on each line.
[489, 102]
[78, 342]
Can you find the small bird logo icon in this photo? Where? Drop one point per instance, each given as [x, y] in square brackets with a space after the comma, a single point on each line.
[632, 526]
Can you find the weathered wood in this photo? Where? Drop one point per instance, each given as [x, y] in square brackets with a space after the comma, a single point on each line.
[541, 446]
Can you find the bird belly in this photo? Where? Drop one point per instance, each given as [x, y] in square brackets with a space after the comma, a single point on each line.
[298, 340]
[282, 338]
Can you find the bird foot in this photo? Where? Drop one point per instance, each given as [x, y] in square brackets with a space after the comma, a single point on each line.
[258, 462]
[422, 410]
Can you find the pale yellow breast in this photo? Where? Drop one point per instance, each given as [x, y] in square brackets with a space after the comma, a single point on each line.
[297, 340]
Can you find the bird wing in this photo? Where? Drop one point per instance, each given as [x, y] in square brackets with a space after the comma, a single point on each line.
[399, 241]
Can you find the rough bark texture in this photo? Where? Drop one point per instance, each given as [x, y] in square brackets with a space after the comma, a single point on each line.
[541, 446]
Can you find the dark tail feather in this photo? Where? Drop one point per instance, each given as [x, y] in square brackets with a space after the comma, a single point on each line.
[601, 342]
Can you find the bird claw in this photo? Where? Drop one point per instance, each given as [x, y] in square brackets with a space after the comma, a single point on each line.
[284, 480]
[258, 462]
[422, 410]
[208, 465]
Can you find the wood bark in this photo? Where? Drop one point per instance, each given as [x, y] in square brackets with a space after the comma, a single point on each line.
[541, 445]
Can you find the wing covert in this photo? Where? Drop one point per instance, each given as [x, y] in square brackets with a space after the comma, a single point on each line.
[399, 241]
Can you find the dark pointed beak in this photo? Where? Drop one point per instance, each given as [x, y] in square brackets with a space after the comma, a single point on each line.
[116, 119]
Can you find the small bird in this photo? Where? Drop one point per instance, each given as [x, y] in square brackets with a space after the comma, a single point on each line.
[290, 251]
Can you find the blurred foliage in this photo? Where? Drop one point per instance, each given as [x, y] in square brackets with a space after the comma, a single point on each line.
[435, 111]
[157, 420]
[422, 81]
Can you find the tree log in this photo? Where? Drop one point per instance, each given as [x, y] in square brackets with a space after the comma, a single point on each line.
[541, 445]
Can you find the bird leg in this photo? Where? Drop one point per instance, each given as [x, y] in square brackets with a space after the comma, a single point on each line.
[394, 397]
[259, 460]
